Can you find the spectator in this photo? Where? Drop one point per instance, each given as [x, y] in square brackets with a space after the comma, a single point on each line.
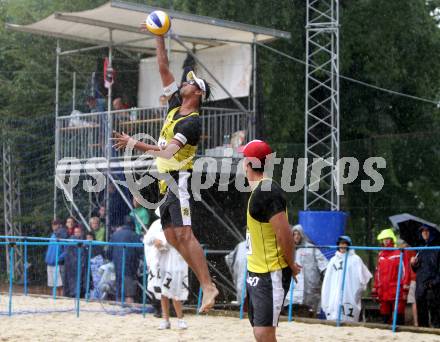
[386, 276]
[96, 261]
[71, 266]
[170, 281]
[307, 290]
[70, 225]
[121, 116]
[96, 105]
[98, 229]
[356, 279]
[139, 212]
[124, 234]
[101, 214]
[426, 264]
[58, 232]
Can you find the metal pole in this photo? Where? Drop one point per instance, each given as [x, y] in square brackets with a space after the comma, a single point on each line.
[57, 128]
[25, 268]
[243, 292]
[396, 302]
[144, 285]
[341, 299]
[306, 121]
[199, 297]
[74, 91]
[123, 276]
[108, 140]
[292, 287]
[78, 278]
[254, 88]
[55, 276]
[89, 256]
[11, 279]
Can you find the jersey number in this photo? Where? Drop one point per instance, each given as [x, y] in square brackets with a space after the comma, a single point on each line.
[248, 244]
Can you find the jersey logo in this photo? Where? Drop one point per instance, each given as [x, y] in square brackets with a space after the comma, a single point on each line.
[252, 281]
[185, 211]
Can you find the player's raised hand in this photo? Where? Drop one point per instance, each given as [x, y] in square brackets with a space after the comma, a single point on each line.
[121, 140]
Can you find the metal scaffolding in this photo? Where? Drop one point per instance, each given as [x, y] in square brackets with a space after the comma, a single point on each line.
[322, 105]
[12, 210]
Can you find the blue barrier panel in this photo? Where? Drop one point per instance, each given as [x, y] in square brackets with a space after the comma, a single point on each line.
[11, 279]
[78, 280]
[399, 278]
[243, 292]
[55, 275]
[123, 277]
[199, 297]
[89, 256]
[291, 289]
[25, 266]
[323, 227]
[144, 285]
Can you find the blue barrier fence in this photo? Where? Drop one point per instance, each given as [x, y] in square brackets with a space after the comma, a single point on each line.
[12, 241]
[342, 289]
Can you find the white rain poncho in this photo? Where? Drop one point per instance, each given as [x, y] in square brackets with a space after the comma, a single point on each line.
[236, 262]
[307, 290]
[167, 270]
[357, 278]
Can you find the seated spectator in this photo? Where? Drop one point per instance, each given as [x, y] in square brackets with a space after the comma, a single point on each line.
[356, 279]
[132, 259]
[58, 232]
[96, 261]
[386, 276]
[98, 229]
[426, 264]
[307, 290]
[170, 280]
[70, 225]
[121, 116]
[139, 212]
[71, 266]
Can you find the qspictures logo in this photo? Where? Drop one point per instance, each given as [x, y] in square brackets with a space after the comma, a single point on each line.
[219, 173]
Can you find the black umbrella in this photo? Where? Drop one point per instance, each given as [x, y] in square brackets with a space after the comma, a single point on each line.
[408, 227]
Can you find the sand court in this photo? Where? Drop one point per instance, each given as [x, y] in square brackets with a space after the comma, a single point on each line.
[39, 324]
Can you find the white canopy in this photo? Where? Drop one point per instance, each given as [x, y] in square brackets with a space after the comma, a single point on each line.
[124, 20]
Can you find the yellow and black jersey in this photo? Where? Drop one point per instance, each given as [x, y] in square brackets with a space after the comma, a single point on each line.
[184, 128]
[263, 253]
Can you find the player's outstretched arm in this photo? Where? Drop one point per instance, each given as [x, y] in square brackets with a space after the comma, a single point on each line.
[163, 63]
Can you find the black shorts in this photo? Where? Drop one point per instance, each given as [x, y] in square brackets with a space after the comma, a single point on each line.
[266, 293]
[178, 206]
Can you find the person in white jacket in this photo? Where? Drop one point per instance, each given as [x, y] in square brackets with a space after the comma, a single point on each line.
[356, 279]
[167, 276]
[307, 291]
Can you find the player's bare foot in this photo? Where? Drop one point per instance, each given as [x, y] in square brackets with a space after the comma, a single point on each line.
[208, 300]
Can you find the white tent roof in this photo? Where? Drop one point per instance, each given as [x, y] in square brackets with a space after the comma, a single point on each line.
[124, 19]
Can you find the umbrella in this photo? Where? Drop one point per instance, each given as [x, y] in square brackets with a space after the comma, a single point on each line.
[408, 227]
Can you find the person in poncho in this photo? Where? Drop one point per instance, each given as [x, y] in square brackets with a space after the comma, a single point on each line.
[307, 290]
[167, 276]
[357, 277]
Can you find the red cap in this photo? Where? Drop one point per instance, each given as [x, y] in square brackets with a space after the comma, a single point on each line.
[257, 149]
